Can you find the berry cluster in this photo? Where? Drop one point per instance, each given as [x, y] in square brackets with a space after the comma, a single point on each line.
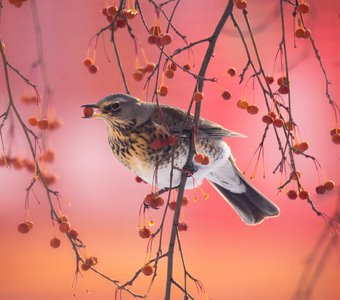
[156, 37]
[202, 159]
[90, 64]
[141, 71]
[252, 109]
[163, 142]
[17, 3]
[172, 204]
[153, 200]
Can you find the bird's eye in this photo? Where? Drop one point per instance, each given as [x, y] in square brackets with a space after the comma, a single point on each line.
[113, 107]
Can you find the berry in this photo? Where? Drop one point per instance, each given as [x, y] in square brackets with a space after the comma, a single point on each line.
[152, 39]
[138, 75]
[267, 119]
[307, 33]
[329, 185]
[91, 261]
[147, 270]
[93, 69]
[303, 146]
[111, 10]
[172, 66]
[253, 109]
[185, 201]
[290, 125]
[199, 158]
[138, 179]
[269, 79]
[303, 195]
[64, 227]
[163, 90]
[303, 8]
[336, 138]
[171, 140]
[198, 96]
[155, 30]
[334, 131]
[169, 73]
[120, 22]
[156, 202]
[172, 205]
[149, 67]
[73, 234]
[182, 226]
[148, 198]
[166, 39]
[63, 219]
[87, 62]
[320, 189]
[55, 242]
[295, 175]
[205, 161]
[85, 267]
[43, 124]
[278, 123]
[226, 95]
[144, 233]
[33, 121]
[231, 72]
[29, 224]
[282, 80]
[292, 194]
[242, 103]
[24, 227]
[283, 89]
[187, 67]
[156, 144]
[88, 111]
[241, 4]
[299, 32]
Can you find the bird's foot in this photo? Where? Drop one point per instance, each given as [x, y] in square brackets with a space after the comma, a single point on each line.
[189, 170]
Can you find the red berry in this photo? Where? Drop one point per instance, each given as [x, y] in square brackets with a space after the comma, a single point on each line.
[292, 194]
[73, 233]
[307, 33]
[278, 123]
[241, 4]
[267, 119]
[138, 179]
[111, 10]
[33, 121]
[303, 195]
[336, 138]
[144, 233]
[148, 198]
[24, 227]
[172, 66]
[169, 73]
[329, 185]
[299, 32]
[152, 39]
[303, 8]
[199, 158]
[231, 72]
[85, 267]
[87, 62]
[295, 175]
[156, 202]
[156, 144]
[182, 226]
[320, 189]
[93, 69]
[64, 227]
[166, 39]
[269, 79]
[147, 270]
[163, 90]
[120, 22]
[138, 75]
[205, 160]
[226, 95]
[88, 111]
[149, 67]
[198, 96]
[55, 242]
[242, 103]
[172, 205]
[303, 146]
[253, 109]
[187, 67]
[282, 80]
[283, 89]
[43, 124]
[185, 201]
[171, 141]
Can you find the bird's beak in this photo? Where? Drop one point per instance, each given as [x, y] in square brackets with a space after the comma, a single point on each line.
[92, 110]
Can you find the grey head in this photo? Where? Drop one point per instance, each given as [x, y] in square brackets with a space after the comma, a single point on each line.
[121, 109]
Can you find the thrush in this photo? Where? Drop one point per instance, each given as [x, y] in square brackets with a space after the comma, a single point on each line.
[136, 135]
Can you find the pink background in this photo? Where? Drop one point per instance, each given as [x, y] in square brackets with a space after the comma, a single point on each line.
[101, 197]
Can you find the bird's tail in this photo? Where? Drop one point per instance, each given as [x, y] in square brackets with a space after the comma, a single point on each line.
[252, 206]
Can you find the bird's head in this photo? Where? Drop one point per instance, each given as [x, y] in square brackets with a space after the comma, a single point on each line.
[119, 110]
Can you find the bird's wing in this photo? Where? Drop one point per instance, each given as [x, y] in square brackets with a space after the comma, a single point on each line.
[179, 122]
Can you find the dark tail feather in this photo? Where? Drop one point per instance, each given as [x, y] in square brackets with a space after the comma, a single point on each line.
[251, 205]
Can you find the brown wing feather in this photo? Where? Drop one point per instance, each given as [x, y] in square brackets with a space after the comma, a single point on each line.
[178, 121]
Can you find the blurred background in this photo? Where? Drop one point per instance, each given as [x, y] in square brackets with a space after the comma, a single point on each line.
[101, 197]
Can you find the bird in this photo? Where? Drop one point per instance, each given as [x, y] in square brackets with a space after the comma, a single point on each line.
[136, 134]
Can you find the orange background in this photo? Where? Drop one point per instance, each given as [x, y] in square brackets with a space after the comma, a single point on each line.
[101, 197]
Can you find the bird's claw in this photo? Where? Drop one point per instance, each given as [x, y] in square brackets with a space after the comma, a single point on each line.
[189, 170]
